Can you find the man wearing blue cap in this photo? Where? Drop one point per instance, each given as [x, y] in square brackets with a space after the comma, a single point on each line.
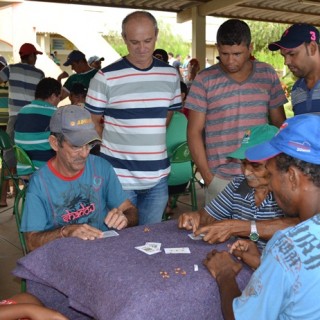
[83, 72]
[299, 45]
[287, 283]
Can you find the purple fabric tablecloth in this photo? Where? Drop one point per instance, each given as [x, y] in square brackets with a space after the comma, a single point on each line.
[110, 279]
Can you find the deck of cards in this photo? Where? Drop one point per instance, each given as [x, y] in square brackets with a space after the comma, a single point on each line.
[150, 248]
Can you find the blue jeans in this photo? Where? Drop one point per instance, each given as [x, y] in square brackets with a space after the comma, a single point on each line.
[151, 203]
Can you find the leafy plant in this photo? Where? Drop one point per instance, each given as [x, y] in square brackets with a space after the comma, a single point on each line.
[167, 40]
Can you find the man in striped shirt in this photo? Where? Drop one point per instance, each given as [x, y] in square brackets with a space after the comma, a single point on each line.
[246, 207]
[32, 125]
[227, 98]
[22, 79]
[135, 96]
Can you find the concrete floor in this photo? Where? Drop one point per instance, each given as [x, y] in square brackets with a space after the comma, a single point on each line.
[10, 248]
[10, 252]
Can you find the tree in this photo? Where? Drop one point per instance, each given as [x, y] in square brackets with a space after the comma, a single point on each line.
[167, 40]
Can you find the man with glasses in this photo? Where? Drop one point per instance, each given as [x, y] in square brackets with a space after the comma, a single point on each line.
[75, 194]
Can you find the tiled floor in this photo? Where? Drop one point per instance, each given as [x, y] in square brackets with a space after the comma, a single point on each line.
[10, 249]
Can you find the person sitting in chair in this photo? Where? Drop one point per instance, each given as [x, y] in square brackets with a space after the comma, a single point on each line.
[246, 207]
[75, 194]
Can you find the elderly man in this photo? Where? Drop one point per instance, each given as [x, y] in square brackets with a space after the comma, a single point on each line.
[287, 283]
[246, 207]
[299, 45]
[75, 194]
[135, 96]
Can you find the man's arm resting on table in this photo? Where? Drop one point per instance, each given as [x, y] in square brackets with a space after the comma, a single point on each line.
[36, 239]
[277, 116]
[222, 230]
[196, 123]
[224, 269]
[265, 228]
[229, 290]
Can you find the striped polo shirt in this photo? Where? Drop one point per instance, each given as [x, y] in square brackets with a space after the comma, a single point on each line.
[237, 201]
[22, 79]
[135, 104]
[305, 100]
[232, 107]
[32, 133]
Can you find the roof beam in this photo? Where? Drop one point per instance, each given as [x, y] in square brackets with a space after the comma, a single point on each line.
[212, 6]
[207, 9]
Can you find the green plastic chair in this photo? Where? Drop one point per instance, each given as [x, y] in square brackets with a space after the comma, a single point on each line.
[23, 158]
[182, 171]
[21, 188]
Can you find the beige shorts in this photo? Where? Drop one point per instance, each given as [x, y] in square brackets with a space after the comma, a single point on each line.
[214, 188]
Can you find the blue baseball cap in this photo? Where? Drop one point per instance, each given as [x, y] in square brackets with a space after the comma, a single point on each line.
[298, 137]
[295, 36]
[74, 56]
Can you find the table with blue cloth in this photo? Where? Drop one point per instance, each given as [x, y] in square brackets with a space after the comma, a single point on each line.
[109, 279]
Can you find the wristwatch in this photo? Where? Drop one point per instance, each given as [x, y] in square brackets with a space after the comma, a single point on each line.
[254, 235]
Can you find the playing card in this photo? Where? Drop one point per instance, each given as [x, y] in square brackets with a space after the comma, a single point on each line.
[176, 250]
[148, 249]
[109, 233]
[193, 237]
[155, 245]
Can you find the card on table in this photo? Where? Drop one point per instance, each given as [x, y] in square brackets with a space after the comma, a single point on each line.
[193, 237]
[149, 249]
[109, 233]
[176, 250]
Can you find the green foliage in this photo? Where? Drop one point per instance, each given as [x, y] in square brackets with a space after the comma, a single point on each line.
[167, 40]
[264, 33]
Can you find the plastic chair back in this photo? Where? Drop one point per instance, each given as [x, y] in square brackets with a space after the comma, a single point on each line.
[181, 154]
[5, 141]
[23, 159]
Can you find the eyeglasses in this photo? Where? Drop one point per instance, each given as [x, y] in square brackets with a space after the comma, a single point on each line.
[87, 147]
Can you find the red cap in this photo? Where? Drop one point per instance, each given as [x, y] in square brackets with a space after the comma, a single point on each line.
[28, 48]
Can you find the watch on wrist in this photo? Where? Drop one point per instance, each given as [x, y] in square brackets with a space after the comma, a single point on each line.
[254, 235]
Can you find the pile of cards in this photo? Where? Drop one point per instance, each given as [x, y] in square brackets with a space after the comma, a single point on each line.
[150, 248]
